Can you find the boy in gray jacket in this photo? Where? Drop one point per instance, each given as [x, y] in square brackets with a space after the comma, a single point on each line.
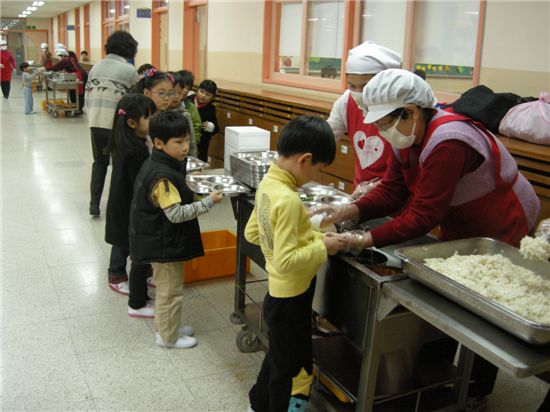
[28, 76]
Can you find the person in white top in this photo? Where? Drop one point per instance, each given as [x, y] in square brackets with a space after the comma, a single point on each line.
[348, 113]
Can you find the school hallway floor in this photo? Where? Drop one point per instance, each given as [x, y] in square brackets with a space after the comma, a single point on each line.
[67, 341]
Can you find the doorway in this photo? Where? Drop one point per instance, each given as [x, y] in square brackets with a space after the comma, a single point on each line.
[195, 49]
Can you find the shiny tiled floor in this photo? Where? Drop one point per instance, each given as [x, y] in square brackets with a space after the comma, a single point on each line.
[67, 342]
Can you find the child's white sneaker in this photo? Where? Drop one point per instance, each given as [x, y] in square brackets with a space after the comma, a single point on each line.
[123, 288]
[186, 331]
[148, 311]
[183, 342]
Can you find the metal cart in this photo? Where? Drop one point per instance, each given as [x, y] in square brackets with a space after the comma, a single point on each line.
[380, 318]
[56, 84]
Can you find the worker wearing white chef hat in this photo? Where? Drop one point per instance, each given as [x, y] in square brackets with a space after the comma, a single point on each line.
[7, 66]
[447, 171]
[371, 151]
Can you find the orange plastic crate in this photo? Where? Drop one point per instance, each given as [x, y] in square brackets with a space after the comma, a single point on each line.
[219, 260]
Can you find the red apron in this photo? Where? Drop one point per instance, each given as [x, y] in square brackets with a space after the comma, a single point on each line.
[498, 214]
[371, 151]
[7, 60]
[78, 76]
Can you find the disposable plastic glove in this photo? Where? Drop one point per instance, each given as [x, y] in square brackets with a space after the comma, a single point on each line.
[354, 241]
[336, 213]
[208, 127]
[365, 187]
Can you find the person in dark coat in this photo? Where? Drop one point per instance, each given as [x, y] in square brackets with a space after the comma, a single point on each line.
[129, 150]
[204, 100]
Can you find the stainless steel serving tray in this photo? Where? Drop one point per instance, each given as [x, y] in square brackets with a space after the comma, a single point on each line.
[413, 263]
[205, 184]
[194, 164]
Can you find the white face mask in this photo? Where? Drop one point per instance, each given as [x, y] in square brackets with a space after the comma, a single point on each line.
[396, 138]
[4, 48]
[358, 98]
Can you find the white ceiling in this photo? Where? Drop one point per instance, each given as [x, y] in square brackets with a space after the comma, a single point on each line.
[50, 9]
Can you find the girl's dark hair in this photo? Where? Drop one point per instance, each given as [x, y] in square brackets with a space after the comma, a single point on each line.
[144, 67]
[150, 79]
[123, 139]
[210, 86]
[166, 125]
[185, 79]
[308, 134]
[122, 44]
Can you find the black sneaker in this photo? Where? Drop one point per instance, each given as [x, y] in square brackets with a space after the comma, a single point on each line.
[94, 210]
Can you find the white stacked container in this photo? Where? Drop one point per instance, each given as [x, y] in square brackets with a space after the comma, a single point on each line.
[244, 139]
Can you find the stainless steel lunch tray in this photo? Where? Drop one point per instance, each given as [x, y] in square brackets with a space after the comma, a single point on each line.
[205, 184]
[413, 263]
[194, 164]
[319, 190]
[250, 167]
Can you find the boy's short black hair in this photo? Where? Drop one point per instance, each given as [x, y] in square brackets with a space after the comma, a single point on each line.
[83, 52]
[122, 44]
[308, 134]
[210, 86]
[168, 124]
[23, 66]
[185, 79]
[144, 67]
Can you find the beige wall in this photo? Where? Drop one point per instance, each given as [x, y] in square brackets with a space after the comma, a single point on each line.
[141, 30]
[96, 45]
[42, 24]
[175, 31]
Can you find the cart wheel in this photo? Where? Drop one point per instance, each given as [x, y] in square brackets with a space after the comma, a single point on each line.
[55, 114]
[247, 342]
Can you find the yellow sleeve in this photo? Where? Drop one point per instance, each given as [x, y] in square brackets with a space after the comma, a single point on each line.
[251, 232]
[165, 194]
[288, 254]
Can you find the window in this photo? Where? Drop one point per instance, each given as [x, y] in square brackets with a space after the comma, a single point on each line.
[373, 23]
[116, 16]
[310, 40]
[447, 42]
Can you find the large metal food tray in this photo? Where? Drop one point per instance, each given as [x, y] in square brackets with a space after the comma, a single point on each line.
[194, 164]
[205, 184]
[250, 167]
[413, 263]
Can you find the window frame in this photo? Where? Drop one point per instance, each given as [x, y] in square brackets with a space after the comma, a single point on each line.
[271, 47]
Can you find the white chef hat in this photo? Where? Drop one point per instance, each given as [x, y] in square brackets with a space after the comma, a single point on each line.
[59, 46]
[3, 43]
[370, 58]
[61, 52]
[44, 45]
[392, 89]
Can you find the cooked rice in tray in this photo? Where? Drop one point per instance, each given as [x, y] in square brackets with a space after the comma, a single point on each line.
[498, 279]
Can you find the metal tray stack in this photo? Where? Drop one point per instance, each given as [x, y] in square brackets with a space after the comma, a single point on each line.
[205, 184]
[194, 164]
[250, 167]
[313, 194]
[413, 263]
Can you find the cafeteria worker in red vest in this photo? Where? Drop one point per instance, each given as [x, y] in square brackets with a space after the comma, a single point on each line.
[347, 115]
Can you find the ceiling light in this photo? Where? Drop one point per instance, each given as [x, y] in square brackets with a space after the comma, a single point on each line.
[32, 8]
[39, 3]
[25, 12]
[35, 3]
[22, 15]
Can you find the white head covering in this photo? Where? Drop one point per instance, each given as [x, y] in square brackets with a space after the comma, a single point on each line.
[3, 43]
[370, 58]
[44, 46]
[59, 46]
[61, 52]
[392, 89]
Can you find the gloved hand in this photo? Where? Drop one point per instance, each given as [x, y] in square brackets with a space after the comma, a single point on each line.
[354, 241]
[543, 229]
[208, 127]
[336, 214]
[365, 187]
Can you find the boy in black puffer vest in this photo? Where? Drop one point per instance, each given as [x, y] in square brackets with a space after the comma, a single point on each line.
[164, 229]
